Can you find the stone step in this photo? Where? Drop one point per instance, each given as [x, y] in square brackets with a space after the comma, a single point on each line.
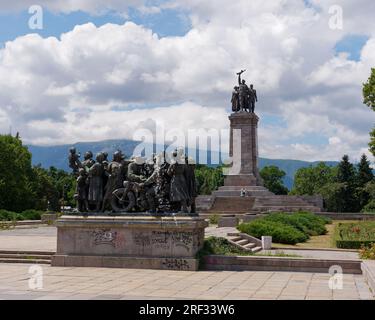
[43, 253]
[235, 238]
[237, 193]
[239, 188]
[242, 242]
[250, 245]
[25, 256]
[285, 209]
[29, 261]
[230, 204]
[256, 249]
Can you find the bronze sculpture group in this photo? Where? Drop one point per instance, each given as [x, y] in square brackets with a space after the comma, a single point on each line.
[136, 185]
[243, 97]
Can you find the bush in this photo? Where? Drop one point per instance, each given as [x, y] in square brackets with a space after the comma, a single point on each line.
[32, 214]
[214, 219]
[287, 228]
[219, 246]
[280, 232]
[306, 222]
[367, 252]
[6, 215]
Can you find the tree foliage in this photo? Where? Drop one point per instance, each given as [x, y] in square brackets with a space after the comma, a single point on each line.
[369, 100]
[23, 186]
[309, 181]
[345, 188]
[208, 179]
[273, 180]
[369, 91]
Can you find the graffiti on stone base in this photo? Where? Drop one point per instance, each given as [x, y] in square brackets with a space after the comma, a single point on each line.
[176, 264]
[164, 239]
[106, 237]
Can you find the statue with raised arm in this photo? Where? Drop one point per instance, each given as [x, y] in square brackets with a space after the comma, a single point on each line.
[243, 92]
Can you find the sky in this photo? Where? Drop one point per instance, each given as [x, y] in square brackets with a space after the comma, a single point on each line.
[104, 69]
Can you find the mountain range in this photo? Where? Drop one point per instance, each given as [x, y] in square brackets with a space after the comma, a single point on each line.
[57, 156]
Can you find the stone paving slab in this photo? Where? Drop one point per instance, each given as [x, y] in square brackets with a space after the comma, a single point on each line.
[61, 283]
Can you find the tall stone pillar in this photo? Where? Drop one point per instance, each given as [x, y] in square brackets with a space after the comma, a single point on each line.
[243, 150]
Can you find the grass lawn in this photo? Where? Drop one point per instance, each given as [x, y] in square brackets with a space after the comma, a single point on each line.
[317, 242]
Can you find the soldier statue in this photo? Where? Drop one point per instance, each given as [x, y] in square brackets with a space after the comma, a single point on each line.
[235, 99]
[96, 174]
[114, 177]
[88, 161]
[179, 189]
[252, 98]
[82, 192]
[243, 97]
[243, 92]
[74, 162]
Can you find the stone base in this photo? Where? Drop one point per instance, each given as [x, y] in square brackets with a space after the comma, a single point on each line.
[129, 242]
[241, 180]
[183, 264]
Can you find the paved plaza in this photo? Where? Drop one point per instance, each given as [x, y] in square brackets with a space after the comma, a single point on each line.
[100, 283]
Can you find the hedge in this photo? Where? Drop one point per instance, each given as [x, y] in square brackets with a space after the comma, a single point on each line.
[6, 215]
[286, 228]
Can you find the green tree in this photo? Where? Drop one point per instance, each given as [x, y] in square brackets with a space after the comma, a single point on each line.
[332, 195]
[16, 193]
[364, 176]
[346, 174]
[273, 179]
[309, 181]
[369, 91]
[370, 189]
[369, 100]
[208, 179]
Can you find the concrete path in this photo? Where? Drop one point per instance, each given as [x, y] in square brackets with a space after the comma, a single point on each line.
[102, 283]
[317, 254]
[42, 238]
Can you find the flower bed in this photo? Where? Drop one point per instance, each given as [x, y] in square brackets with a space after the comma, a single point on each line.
[355, 235]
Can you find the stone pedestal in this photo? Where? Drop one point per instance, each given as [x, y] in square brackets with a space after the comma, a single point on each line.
[129, 242]
[244, 150]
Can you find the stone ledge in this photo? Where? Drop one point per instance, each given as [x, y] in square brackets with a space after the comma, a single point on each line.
[368, 269]
[131, 221]
[175, 263]
[258, 263]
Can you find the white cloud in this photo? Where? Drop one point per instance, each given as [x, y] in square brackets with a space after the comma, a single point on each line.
[86, 85]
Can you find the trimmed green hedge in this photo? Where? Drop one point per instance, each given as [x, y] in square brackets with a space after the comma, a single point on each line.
[355, 235]
[286, 228]
[6, 215]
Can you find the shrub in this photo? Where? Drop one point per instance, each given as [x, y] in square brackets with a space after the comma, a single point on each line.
[214, 219]
[280, 232]
[287, 228]
[32, 214]
[25, 215]
[367, 252]
[306, 222]
[219, 246]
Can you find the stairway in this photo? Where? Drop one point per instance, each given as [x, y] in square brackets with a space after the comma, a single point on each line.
[245, 242]
[277, 203]
[257, 199]
[30, 257]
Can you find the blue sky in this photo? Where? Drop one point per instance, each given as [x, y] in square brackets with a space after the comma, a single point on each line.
[166, 23]
[309, 94]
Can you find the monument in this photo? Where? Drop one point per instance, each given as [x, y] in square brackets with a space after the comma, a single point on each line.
[132, 214]
[243, 191]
